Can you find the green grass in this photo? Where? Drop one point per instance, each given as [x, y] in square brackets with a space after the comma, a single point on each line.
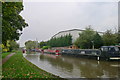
[5, 54]
[18, 67]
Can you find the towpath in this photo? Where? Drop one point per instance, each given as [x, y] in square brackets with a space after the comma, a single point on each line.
[5, 59]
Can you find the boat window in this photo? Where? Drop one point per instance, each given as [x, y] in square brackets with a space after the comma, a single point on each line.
[116, 49]
[82, 52]
[104, 49]
[111, 49]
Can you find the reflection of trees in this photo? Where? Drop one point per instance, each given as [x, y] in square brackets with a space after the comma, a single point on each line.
[30, 52]
[57, 62]
[110, 68]
[31, 57]
[88, 68]
[92, 68]
[42, 58]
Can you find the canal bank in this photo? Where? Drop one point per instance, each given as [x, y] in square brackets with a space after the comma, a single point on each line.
[18, 67]
[72, 67]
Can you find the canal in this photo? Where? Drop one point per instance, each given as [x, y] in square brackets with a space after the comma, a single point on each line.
[72, 67]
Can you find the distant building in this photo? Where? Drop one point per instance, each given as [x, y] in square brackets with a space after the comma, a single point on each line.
[73, 32]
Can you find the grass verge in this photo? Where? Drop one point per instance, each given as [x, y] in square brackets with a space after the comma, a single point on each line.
[5, 54]
[18, 67]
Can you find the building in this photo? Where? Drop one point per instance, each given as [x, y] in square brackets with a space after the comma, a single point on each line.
[73, 32]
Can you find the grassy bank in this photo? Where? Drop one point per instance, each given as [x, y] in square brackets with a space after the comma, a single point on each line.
[5, 54]
[18, 67]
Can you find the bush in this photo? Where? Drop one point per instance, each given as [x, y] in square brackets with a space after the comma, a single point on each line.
[5, 50]
[45, 47]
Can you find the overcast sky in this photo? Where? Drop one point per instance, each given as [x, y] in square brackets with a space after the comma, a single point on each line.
[48, 18]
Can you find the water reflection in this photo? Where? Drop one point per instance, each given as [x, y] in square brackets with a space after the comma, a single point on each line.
[72, 67]
[57, 61]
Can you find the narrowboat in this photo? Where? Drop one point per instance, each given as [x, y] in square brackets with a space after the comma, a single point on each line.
[104, 53]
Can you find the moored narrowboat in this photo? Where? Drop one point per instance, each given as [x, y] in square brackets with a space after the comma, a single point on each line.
[104, 53]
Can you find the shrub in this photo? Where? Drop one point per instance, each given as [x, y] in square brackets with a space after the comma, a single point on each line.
[45, 47]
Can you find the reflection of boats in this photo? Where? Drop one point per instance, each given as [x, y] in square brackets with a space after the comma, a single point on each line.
[57, 61]
[115, 65]
[52, 56]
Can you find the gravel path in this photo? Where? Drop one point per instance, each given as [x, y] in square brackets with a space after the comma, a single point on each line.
[5, 59]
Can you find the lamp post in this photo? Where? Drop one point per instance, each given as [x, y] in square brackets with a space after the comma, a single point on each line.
[92, 44]
[36, 45]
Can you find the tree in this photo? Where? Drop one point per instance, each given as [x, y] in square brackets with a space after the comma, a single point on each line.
[60, 41]
[97, 40]
[118, 35]
[85, 38]
[109, 38]
[69, 39]
[31, 44]
[42, 44]
[13, 45]
[12, 21]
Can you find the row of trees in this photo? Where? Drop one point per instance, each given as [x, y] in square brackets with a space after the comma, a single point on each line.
[53, 42]
[60, 41]
[89, 38]
[12, 22]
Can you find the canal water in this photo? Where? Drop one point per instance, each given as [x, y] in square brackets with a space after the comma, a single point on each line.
[73, 67]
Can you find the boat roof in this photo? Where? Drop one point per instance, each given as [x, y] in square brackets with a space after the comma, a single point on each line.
[108, 46]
